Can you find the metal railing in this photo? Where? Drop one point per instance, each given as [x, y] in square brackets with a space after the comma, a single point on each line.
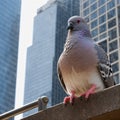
[41, 103]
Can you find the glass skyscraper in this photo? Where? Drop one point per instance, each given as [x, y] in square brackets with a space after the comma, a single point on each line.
[48, 41]
[9, 39]
[103, 17]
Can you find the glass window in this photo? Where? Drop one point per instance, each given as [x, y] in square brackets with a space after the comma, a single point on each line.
[114, 57]
[112, 23]
[118, 11]
[95, 39]
[93, 15]
[111, 14]
[119, 31]
[118, 1]
[92, 1]
[94, 32]
[102, 19]
[112, 34]
[101, 2]
[111, 4]
[102, 10]
[104, 45]
[86, 12]
[116, 78]
[87, 19]
[86, 4]
[103, 36]
[102, 28]
[94, 24]
[115, 67]
[113, 45]
[93, 7]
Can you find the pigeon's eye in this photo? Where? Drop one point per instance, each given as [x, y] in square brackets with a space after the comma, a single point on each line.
[78, 21]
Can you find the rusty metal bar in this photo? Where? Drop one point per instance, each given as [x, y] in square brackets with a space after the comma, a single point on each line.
[44, 100]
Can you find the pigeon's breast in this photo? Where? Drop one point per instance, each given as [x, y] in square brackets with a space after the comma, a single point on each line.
[82, 81]
[80, 56]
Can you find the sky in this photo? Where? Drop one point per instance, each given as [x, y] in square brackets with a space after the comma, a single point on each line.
[28, 11]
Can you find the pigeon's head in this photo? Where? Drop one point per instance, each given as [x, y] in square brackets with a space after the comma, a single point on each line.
[77, 23]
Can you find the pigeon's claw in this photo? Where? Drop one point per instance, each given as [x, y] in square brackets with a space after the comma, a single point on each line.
[89, 92]
[69, 99]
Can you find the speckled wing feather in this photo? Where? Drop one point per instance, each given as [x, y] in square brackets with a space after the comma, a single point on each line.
[61, 78]
[104, 67]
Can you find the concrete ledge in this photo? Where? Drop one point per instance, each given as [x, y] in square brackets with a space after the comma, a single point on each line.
[104, 105]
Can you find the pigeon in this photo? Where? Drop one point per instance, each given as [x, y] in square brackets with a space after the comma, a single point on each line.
[83, 67]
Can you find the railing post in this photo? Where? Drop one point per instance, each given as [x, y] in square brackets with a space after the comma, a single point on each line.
[42, 103]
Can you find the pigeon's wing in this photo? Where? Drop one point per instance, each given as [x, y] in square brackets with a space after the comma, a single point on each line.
[61, 78]
[104, 67]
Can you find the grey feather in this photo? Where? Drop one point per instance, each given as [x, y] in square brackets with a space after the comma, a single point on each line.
[104, 67]
[61, 78]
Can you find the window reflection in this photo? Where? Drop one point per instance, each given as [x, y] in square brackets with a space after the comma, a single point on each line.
[102, 19]
[91, 1]
[104, 45]
[118, 1]
[103, 36]
[114, 56]
[111, 4]
[93, 15]
[116, 78]
[95, 39]
[112, 23]
[112, 34]
[94, 24]
[101, 2]
[94, 32]
[111, 13]
[102, 10]
[87, 19]
[113, 45]
[115, 67]
[94, 7]
[118, 11]
[102, 28]
[86, 4]
[86, 12]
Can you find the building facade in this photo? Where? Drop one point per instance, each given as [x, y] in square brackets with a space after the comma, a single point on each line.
[9, 39]
[103, 17]
[48, 40]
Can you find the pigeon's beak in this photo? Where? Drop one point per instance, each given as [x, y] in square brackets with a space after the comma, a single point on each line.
[70, 26]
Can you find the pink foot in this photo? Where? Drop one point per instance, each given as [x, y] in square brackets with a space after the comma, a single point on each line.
[70, 98]
[90, 91]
